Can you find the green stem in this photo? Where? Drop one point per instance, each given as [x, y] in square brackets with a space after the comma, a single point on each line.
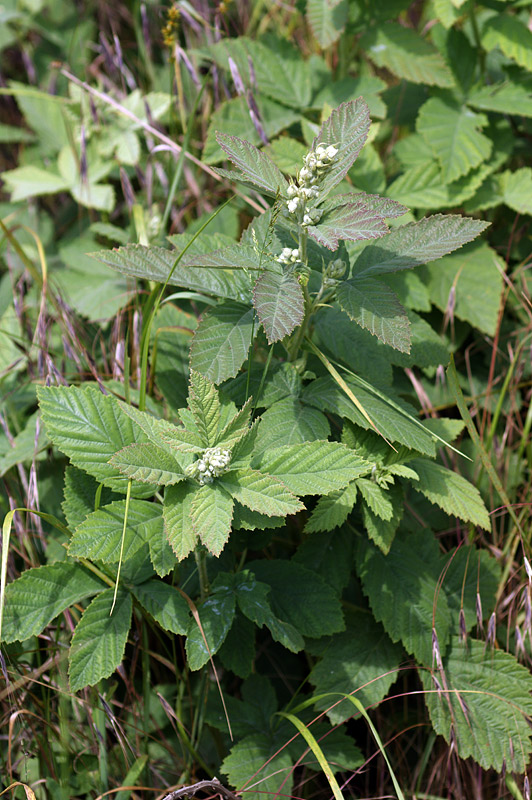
[476, 36]
[201, 562]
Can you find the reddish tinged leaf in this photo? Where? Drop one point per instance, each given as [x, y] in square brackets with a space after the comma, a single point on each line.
[353, 222]
[256, 166]
[279, 303]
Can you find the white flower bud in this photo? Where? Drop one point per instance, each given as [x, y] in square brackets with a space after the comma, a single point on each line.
[292, 190]
[295, 254]
[331, 151]
[293, 204]
[305, 174]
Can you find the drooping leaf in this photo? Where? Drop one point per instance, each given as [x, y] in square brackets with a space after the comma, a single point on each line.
[406, 54]
[40, 594]
[332, 510]
[327, 20]
[510, 35]
[216, 616]
[452, 131]
[484, 705]
[279, 302]
[255, 165]
[253, 600]
[177, 515]
[451, 492]
[222, 341]
[89, 428]
[352, 222]
[374, 306]
[165, 604]
[99, 536]
[260, 492]
[148, 463]
[363, 659]
[100, 638]
[313, 467]
[402, 588]
[212, 513]
[417, 243]
[346, 129]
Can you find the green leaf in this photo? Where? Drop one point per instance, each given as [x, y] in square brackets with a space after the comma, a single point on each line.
[374, 306]
[236, 255]
[511, 36]
[448, 490]
[417, 243]
[349, 221]
[331, 555]
[89, 428]
[244, 518]
[403, 591]
[148, 463]
[253, 601]
[403, 52]
[255, 166]
[155, 264]
[327, 20]
[24, 446]
[361, 658]
[347, 129]
[456, 279]
[162, 556]
[100, 638]
[289, 421]
[468, 573]
[237, 427]
[259, 756]
[382, 531]
[216, 616]
[30, 181]
[165, 604]
[452, 132]
[515, 188]
[205, 405]
[222, 341]
[212, 512]
[280, 306]
[300, 597]
[99, 536]
[422, 187]
[260, 492]
[79, 494]
[505, 98]
[177, 516]
[238, 650]
[313, 467]
[484, 704]
[332, 510]
[376, 498]
[40, 594]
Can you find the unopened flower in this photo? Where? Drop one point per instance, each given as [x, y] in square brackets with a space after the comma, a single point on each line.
[213, 463]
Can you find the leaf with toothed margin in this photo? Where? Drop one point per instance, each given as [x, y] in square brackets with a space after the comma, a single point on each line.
[222, 340]
[374, 306]
[352, 222]
[260, 492]
[212, 513]
[177, 516]
[382, 206]
[279, 303]
[148, 463]
[255, 165]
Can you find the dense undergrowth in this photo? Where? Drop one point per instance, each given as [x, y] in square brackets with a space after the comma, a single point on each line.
[265, 336]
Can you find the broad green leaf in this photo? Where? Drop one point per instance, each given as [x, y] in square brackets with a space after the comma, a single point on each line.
[376, 498]
[255, 165]
[327, 20]
[205, 405]
[350, 221]
[288, 421]
[155, 264]
[448, 490]
[260, 492]
[511, 36]
[100, 638]
[216, 616]
[162, 556]
[361, 659]
[403, 591]
[515, 188]
[406, 54]
[79, 494]
[25, 446]
[165, 604]
[453, 133]
[287, 154]
[331, 554]
[468, 573]
[455, 279]
[253, 600]
[156, 430]
[234, 256]
[45, 113]
[382, 531]
[506, 98]
[30, 181]
[40, 594]
[279, 302]
[212, 513]
[417, 243]
[11, 134]
[172, 331]
[249, 520]
[374, 306]
[300, 597]
[347, 129]
[382, 207]
[484, 704]
[421, 186]
[333, 93]
[148, 463]
[254, 713]
[222, 341]
[313, 467]
[332, 510]
[237, 427]
[427, 348]
[259, 756]
[94, 195]
[100, 535]
[237, 653]
[177, 515]
[89, 428]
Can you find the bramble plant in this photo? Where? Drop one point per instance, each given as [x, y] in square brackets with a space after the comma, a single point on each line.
[304, 323]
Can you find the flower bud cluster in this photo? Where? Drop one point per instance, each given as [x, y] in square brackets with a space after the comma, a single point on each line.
[288, 256]
[317, 163]
[333, 273]
[213, 463]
